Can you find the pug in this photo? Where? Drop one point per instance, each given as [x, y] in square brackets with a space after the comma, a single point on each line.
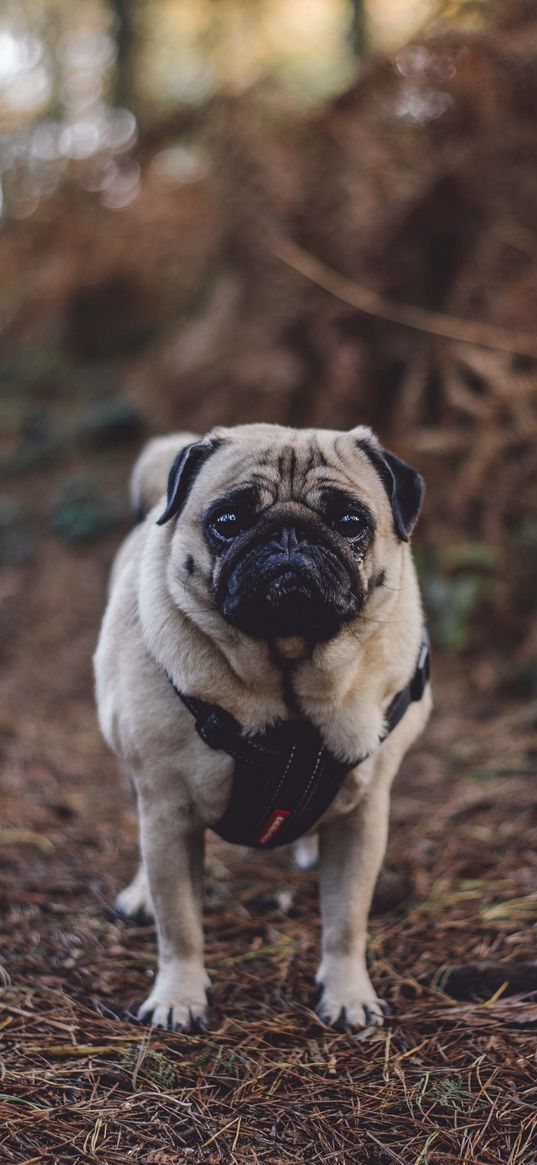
[262, 670]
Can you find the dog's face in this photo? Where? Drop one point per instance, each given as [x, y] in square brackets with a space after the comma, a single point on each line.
[288, 533]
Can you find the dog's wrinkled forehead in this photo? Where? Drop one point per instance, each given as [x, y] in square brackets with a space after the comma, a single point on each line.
[295, 465]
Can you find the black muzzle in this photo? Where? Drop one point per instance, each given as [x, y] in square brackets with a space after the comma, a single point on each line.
[289, 576]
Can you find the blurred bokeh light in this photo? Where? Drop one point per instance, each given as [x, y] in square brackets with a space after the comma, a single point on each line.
[74, 77]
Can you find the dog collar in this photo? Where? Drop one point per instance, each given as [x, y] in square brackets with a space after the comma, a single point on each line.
[286, 778]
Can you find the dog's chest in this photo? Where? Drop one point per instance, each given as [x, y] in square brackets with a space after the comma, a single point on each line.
[246, 787]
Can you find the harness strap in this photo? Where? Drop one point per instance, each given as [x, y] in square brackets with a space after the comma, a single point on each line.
[285, 778]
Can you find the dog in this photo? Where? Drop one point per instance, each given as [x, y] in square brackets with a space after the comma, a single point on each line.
[266, 606]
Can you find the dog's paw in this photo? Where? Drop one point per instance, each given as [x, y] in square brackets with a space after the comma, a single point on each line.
[344, 1012]
[349, 1001]
[178, 1001]
[306, 852]
[177, 1014]
[134, 901]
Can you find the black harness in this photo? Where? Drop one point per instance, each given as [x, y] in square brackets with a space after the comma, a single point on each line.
[285, 778]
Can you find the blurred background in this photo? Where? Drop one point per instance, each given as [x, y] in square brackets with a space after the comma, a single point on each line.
[158, 158]
[317, 212]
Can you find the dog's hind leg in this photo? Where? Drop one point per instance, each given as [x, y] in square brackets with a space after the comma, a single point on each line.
[135, 900]
[306, 852]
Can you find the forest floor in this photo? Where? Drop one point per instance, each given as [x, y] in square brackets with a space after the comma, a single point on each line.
[451, 1077]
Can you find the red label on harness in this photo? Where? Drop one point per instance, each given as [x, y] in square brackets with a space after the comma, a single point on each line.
[274, 823]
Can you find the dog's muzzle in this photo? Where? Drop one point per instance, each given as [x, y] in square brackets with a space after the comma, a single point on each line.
[291, 579]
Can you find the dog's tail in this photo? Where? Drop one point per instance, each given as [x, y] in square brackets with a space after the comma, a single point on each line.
[150, 473]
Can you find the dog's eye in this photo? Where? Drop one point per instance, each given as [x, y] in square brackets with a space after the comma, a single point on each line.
[349, 525]
[227, 525]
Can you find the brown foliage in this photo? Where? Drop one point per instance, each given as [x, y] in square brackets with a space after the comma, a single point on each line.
[419, 186]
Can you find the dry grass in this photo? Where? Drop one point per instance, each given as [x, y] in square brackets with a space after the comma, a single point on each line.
[445, 1081]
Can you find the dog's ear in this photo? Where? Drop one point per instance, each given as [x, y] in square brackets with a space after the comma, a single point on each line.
[183, 473]
[403, 484]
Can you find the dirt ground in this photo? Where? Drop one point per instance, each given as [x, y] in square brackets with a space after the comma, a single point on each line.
[452, 1076]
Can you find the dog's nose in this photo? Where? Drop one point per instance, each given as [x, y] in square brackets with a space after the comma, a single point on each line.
[286, 539]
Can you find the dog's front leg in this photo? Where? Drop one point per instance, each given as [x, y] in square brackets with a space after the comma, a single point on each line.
[173, 857]
[351, 851]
